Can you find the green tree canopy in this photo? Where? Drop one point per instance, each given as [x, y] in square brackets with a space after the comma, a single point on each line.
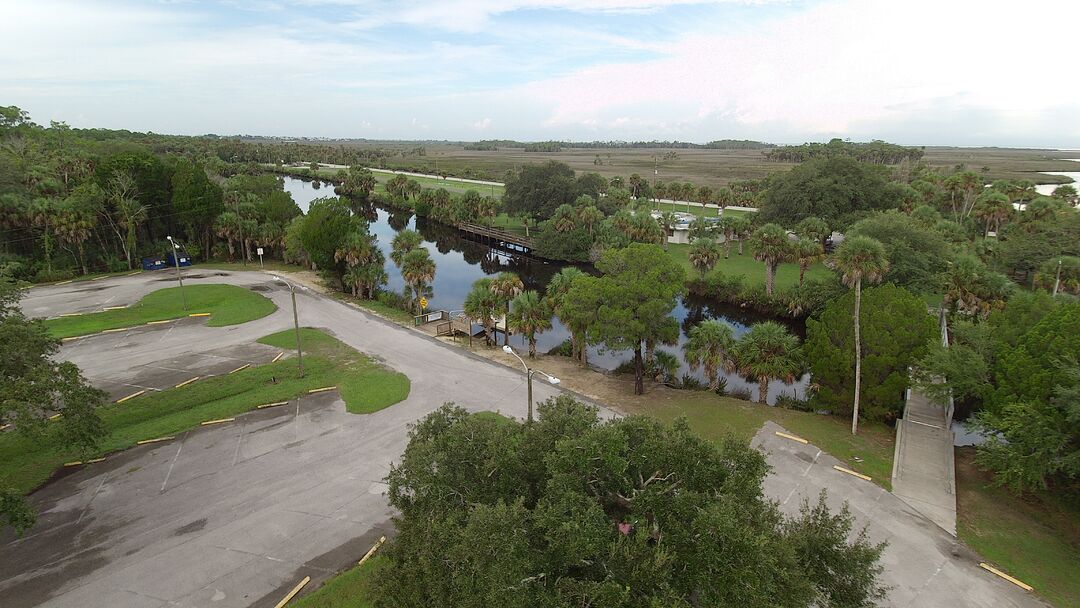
[828, 188]
[33, 387]
[324, 229]
[639, 289]
[918, 255]
[896, 331]
[571, 511]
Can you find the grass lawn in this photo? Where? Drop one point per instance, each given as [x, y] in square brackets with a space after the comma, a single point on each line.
[383, 310]
[365, 385]
[753, 271]
[350, 589]
[714, 417]
[227, 305]
[696, 210]
[1034, 538]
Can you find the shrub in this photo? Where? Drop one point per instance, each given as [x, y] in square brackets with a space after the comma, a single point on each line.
[792, 402]
[563, 349]
[740, 393]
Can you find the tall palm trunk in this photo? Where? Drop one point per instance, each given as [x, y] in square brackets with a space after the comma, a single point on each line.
[763, 389]
[506, 325]
[770, 277]
[858, 358]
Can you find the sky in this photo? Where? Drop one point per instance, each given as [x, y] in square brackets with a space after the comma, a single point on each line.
[916, 72]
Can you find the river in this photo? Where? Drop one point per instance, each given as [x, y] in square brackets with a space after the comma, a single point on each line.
[459, 262]
[1048, 189]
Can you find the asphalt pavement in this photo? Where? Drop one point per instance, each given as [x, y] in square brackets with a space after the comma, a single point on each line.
[236, 514]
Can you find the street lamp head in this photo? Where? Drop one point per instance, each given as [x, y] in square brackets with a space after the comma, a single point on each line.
[554, 380]
[507, 349]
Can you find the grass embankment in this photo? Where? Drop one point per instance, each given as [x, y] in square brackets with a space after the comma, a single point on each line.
[227, 305]
[753, 271]
[713, 417]
[1034, 538]
[366, 386]
[350, 589]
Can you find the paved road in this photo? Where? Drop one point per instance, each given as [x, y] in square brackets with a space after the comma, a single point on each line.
[230, 516]
[234, 515]
[925, 566]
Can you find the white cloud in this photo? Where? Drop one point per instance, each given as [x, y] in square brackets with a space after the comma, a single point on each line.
[482, 124]
[840, 67]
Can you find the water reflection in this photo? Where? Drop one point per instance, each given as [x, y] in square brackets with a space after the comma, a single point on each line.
[460, 261]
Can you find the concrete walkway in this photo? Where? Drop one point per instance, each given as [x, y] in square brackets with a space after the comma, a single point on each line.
[924, 474]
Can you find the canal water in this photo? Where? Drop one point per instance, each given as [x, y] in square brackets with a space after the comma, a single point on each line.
[459, 262]
[1048, 189]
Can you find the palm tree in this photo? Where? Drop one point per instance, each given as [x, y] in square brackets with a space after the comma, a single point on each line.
[481, 304]
[859, 258]
[590, 216]
[529, 315]
[741, 227]
[687, 192]
[724, 197]
[227, 226]
[564, 219]
[42, 212]
[404, 242]
[710, 344]
[770, 245]
[807, 252]
[364, 279]
[418, 270]
[993, 208]
[765, 352]
[507, 286]
[667, 222]
[726, 226]
[813, 228]
[703, 255]
[73, 227]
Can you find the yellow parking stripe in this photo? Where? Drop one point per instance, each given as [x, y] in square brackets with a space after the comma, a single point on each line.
[791, 437]
[292, 594]
[219, 421]
[850, 472]
[187, 382]
[131, 396]
[242, 367]
[322, 390]
[1017, 582]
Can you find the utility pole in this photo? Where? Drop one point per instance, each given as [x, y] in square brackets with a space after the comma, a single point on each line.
[179, 277]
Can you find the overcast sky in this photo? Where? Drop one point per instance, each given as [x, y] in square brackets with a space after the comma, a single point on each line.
[986, 72]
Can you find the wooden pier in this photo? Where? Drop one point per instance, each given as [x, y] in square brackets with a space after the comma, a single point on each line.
[502, 238]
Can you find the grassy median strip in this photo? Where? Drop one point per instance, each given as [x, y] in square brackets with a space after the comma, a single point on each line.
[714, 417]
[226, 305]
[350, 589]
[365, 385]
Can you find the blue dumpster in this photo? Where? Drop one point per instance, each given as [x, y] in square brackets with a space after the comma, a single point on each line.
[154, 263]
[185, 259]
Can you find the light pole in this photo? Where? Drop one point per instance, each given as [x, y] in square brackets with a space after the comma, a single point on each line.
[529, 375]
[296, 324]
[179, 277]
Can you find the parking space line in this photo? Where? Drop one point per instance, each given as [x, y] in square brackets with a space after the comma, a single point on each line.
[241, 368]
[131, 274]
[72, 314]
[92, 497]
[80, 462]
[160, 322]
[186, 382]
[199, 314]
[372, 550]
[179, 447]
[218, 421]
[239, 440]
[158, 440]
[278, 357]
[812, 463]
[114, 308]
[322, 390]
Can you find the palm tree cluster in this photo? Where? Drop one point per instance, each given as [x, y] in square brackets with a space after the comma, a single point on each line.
[363, 259]
[767, 351]
[525, 311]
[414, 261]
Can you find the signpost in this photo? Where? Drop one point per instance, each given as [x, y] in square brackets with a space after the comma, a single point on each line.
[259, 251]
[423, 304]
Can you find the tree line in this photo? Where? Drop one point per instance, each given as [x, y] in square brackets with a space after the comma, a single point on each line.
[876, 151]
